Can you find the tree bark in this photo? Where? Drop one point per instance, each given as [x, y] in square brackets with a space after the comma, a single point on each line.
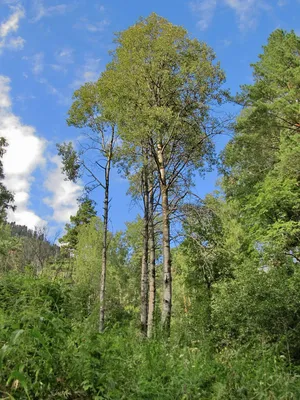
[145, 257]
[167, 262]
[105, 231]
[152, 259]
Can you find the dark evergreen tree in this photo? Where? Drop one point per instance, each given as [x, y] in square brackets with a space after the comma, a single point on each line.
[85, 213]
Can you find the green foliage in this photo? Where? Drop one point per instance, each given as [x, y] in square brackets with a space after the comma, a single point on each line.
[6, 197]
[204, 246]
[253, 372]
[33, 331]
[70, 159]
[87, 109]
[10, 249]
[122, 278]
[261, 183]
[173, 65]
[49, 351]
[259, 303]
[87, 262]
[85, 213]
[236, 321]
[161, 87]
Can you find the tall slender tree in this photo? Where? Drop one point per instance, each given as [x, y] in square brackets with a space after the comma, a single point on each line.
[87, 112]
[261, 162]
[162, 86]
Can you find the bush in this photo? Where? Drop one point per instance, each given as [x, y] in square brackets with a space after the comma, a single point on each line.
[51, 350]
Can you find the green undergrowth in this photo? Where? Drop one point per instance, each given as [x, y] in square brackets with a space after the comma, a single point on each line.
[50, 350]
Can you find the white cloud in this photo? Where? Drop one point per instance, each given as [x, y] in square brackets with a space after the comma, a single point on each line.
[24, 155]
[24, 98]
[226, 42]
[62, 100]
[58, 68]
[205, 9]
[12, 23]
[89, 72]
[65, 56]
[16, 43]
[5, 101]
[41, 11]
[8, 27]
[64, 193]
[38, 63]
[98, 26]
[247, 11]
[63, 59]
[100, 7]
[10, 2]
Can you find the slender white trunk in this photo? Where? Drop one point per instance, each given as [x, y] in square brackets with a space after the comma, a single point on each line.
[167, 262]
[145, 257]
[152, 259]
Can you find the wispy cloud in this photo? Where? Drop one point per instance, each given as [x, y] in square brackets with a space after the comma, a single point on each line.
[65, 56]
[12, 23]
[226, 42]
[205, 10]
[63, 59]
[24, 155]
[61, 98]
[58, 68]
[64, 194]
[5, 100]
[97, 26]
[37, 63]
[10, 26]
[24, 98]
[41, 11]
[100, 7]
[247, 11]
[15, 43]
[88, 72]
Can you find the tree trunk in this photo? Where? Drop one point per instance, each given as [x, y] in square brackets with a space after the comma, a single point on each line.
[167, 263]
[105, 229]
[145, 257]
[152, 275]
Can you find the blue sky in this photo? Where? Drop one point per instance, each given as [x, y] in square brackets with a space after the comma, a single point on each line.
[48, 48]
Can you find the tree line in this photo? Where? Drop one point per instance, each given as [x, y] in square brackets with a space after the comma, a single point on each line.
[157, 96]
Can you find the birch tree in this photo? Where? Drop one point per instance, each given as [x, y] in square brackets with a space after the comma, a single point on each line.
[94, 159]
[162, 87]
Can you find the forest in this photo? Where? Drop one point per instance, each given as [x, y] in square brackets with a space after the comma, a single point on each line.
[198, 298]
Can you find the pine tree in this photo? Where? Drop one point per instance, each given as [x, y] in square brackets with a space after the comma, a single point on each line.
[85, 213]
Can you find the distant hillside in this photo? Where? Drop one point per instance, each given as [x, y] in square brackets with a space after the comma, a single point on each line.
[36, 249]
